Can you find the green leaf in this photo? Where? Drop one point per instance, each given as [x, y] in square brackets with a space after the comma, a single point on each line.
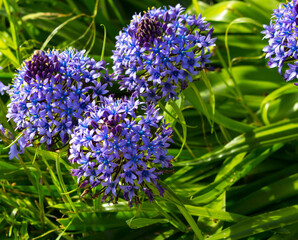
[171, 196]
[7, 52]
[64, 188]
[214, 214]
[11, 9]
[183, 124]
[219, 118]
[238, 20]
[266, 105]
[272, 193]
[283, 131]
[266, 5]
[228, 11]
[291, 233]
[135, 223]
[233, 171]
[259, 223]
[202, 106]
[97, 221]
[57, 29]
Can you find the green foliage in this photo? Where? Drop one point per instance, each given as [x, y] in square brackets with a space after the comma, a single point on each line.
[236, 134]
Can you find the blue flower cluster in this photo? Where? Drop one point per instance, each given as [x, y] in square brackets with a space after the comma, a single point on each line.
[119, 145]
[282, 35]
[115, 147]
[50, 93]
[159, 50]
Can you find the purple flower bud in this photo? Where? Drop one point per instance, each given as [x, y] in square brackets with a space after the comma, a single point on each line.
[83, 184]
[148, 192]
[94, 124]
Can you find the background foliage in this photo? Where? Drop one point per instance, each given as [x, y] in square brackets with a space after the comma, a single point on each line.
[236, 177]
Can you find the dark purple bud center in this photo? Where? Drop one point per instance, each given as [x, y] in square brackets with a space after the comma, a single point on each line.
[184, 85]
[41, 65]
[296, 13]
[149, 29]
[94, 124]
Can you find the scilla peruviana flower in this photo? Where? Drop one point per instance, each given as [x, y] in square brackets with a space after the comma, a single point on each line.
[119, 150]
[50, 93]
[159, 50]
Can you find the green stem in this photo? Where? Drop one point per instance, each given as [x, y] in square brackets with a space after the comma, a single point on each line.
[173, 198]
[191, 222]
[13, 28]
[236, 89]
[56, 229]
[28, 173]
[181, 118]
[104, 42]
[177, 223]
[63, 186]
[183, 124]
[186, 145]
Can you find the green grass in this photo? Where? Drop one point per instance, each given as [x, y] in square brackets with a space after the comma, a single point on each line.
[236, 134]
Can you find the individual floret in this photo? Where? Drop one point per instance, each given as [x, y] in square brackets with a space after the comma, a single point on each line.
[3, 88]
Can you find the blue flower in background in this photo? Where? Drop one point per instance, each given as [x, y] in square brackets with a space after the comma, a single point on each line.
[160, 49]
[50, 93]
[2, 131]
[282, 36]
[3, 88]
[120, 150]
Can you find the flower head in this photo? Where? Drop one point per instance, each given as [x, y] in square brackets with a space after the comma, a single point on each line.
[159, 49]
[120, 150]
[50, 93]
[282, 36]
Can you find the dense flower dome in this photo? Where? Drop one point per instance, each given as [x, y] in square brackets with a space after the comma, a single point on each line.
[120, 150]
[282, 36]
[50, 92]
[159, 50]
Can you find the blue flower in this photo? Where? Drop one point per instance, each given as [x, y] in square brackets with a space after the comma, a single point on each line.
[282, 33]
[50, 93]
[123, 149]
[3, 88]
[157, 50]
[2, 131]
